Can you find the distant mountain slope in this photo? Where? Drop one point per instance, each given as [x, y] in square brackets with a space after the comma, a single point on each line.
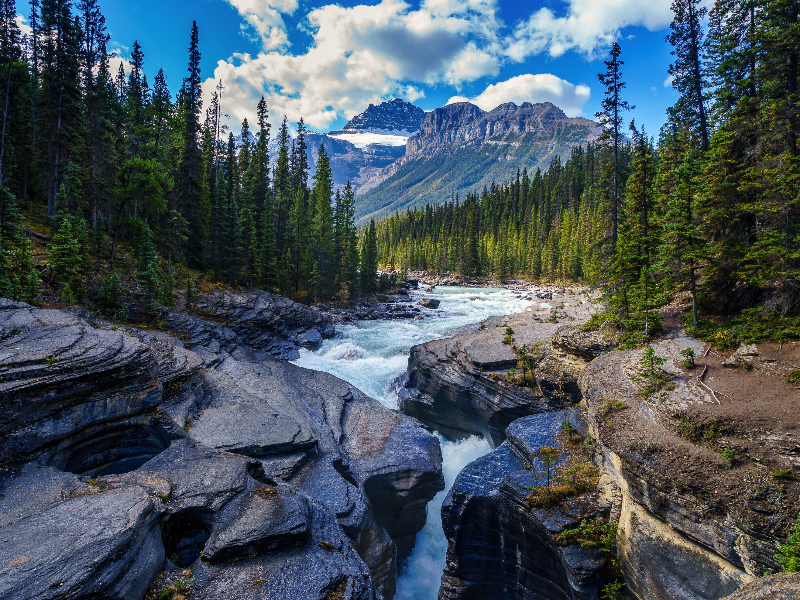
[461, 148]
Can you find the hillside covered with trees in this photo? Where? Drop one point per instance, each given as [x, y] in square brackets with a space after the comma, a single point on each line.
[103, 160]
[711, 207]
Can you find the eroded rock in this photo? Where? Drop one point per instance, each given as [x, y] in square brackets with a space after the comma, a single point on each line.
[498, 545]
[251, 472]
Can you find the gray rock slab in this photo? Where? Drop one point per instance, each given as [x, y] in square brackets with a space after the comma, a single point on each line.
[253, 430]
[99, 545]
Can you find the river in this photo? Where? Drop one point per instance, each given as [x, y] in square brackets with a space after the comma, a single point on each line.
[373, 356]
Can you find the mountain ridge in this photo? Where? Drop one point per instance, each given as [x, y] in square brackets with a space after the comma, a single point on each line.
[461, 148]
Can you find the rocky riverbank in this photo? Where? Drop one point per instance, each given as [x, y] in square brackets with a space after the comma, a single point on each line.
[134, 460]
[458, 385]
[698, 478]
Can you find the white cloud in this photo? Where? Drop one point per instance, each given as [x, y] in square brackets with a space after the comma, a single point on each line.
[360, 55]
[22, 23]
[588, 26]
[368, 53]
[532, 88]
[668, 81]
[264, 16]
[120, 52]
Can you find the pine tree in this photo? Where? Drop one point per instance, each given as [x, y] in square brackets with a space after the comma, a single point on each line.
[632, 281]
[191, 103]
[611, 118]
[148, 275]
[322, 247]
[682, 245]
[231, 225]
[68, 256]
[19, 279]
[688, 73]
[59, 99]
[369, 261]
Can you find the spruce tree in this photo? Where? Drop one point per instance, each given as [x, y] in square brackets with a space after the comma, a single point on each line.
[688, 71]
[148, 274]
[322, 247]
[611, 118]
[190, 103]
[369, 261]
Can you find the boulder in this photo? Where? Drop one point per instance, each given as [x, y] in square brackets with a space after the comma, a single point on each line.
[429, 303]
[743, 357]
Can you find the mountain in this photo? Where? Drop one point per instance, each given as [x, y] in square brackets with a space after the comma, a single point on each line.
[396, 117]
[461, 148]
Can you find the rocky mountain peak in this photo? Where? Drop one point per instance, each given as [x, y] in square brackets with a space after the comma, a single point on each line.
[463, 123]
[396, 117]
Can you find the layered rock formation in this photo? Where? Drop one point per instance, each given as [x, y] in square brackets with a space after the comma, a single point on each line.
[244, 476]
[697, 475]
[255, 320]
[696, 522]
[458, 385]
[783, 586]
[499, 546]
[454, 125]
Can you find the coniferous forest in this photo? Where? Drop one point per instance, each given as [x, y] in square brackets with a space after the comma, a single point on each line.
[111, 160]
[709, 207]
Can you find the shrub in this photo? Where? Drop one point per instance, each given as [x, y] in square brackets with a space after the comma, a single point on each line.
[612, 591]
[782, 474]
[729, 456]
[789, 554]
[651, 372]
[592, 534]
[611, 407]
[794, 377]
[688, 361]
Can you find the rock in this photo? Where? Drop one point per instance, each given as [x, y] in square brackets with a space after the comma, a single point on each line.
[94, 545]
[268, 519]
[586, 345]
[279, 477]
[458, 386]
[255, 431]
[782, 586]
[429, 303]
[688, 528]
[64, 384]
[743, 357]
[256, 320]
[498, 546]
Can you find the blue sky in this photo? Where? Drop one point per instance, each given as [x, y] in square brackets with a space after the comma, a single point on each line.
[327, 62]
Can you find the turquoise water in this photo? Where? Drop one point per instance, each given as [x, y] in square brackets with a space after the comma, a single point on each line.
[373, 356]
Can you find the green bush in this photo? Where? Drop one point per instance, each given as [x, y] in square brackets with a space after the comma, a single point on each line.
[651, 373]
[789, 554]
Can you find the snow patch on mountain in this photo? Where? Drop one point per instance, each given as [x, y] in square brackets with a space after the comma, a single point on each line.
[364, 138]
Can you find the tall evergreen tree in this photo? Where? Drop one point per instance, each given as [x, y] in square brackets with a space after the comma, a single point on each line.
[369, 261]
[611, 118]
[190, 103]
[322, 246]
[688, 72]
